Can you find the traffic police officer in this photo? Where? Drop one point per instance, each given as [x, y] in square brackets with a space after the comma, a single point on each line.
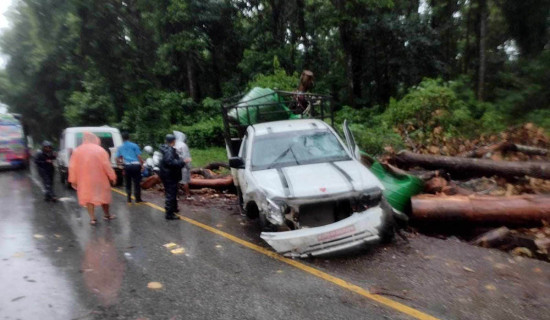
[170, 174]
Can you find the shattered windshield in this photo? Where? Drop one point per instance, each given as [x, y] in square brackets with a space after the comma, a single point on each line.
[296, 148]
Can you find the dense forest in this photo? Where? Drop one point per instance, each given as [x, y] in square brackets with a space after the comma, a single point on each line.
[462, 66]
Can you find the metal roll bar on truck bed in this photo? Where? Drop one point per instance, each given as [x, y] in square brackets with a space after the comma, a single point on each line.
[264, 105]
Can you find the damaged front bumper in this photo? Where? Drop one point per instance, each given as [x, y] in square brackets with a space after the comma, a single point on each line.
[353, 232]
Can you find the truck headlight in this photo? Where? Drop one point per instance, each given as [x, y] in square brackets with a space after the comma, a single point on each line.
[370, 198]
[275, 211]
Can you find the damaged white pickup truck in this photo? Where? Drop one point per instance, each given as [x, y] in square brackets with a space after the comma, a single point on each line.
[307, 188]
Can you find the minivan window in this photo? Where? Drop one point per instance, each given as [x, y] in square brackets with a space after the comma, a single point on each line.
[105, 137]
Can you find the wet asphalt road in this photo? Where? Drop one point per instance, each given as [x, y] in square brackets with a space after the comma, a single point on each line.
[54, 265]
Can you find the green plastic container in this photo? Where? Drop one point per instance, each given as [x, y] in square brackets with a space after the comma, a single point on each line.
[399, 188]
[260, 105]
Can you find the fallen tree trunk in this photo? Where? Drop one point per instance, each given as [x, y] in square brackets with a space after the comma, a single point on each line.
[481, 152]
[513, 210]
[466, 167]
[216, 165]
[529, 150]
[219, 183]
[505, 147]
[150, 182]
[206, 173]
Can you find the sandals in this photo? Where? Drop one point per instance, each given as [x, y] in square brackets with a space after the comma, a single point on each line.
[93, 222]
[109, 217]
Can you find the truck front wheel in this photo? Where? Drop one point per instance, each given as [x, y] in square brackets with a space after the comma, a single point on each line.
[251, 210]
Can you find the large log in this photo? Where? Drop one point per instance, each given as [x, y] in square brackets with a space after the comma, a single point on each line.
[207, 174]
[467, 167]
[216, 165]
[505, 147]
[513, 210]
[150, 182]
[219, 183]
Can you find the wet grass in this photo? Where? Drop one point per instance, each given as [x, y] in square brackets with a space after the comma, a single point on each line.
[202, 157]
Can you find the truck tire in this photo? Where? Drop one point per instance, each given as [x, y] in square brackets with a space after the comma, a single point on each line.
[265, 225]
[387, 233]
[251, 210]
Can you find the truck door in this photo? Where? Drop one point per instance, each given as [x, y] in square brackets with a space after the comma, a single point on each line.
[241, 172]
[350, 141]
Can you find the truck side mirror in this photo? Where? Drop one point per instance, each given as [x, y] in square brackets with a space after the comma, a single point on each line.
[236, 163]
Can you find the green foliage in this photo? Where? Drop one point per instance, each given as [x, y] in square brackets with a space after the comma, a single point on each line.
[276, 80]
[202, 157]
[153, 113]
[372, 133]
[204, 134]
[523, 87]
[448, 106]
[540, 117]
[93, 106]
[149, 65]
[430, 104]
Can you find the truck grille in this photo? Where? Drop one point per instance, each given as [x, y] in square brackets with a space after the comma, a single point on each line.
[323, 213]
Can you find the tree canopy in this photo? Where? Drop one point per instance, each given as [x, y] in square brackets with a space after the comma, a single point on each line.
[146, 66]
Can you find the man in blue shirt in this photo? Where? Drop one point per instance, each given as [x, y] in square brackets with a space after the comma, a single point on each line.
[130, 155]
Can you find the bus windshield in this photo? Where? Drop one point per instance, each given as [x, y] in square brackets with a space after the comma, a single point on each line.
[13, 147]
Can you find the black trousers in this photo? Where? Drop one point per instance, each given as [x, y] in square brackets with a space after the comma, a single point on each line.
[171, 194]
[47, 181]
[132, 176]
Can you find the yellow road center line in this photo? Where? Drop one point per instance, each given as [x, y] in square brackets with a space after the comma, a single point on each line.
[313, 271]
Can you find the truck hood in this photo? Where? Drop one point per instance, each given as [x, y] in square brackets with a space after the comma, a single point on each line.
[316, 180]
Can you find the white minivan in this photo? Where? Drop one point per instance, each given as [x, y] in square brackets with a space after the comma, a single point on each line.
[72, 137]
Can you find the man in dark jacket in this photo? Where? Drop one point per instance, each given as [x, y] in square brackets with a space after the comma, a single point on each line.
[44, 161]
[170, 173]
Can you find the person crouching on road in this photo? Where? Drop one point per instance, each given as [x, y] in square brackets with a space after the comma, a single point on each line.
[130, 155]
[170, 174]
[90, 172]
[44, 161]
[183, 151]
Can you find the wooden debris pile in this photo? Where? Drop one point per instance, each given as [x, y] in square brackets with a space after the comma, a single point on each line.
[499, 181]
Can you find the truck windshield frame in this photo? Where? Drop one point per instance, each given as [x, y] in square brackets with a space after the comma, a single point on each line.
[278, 150]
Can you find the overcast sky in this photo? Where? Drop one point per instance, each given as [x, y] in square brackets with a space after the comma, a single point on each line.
[4, 5]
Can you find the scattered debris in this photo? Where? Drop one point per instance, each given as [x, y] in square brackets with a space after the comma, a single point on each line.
[154, 285]
[178, 251]
[522, 251]
[543, 245]
[490, 287]
[493, 238]
[497, 187]
[468, 269]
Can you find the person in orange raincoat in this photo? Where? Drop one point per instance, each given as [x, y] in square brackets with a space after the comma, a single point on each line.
[91, 174]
